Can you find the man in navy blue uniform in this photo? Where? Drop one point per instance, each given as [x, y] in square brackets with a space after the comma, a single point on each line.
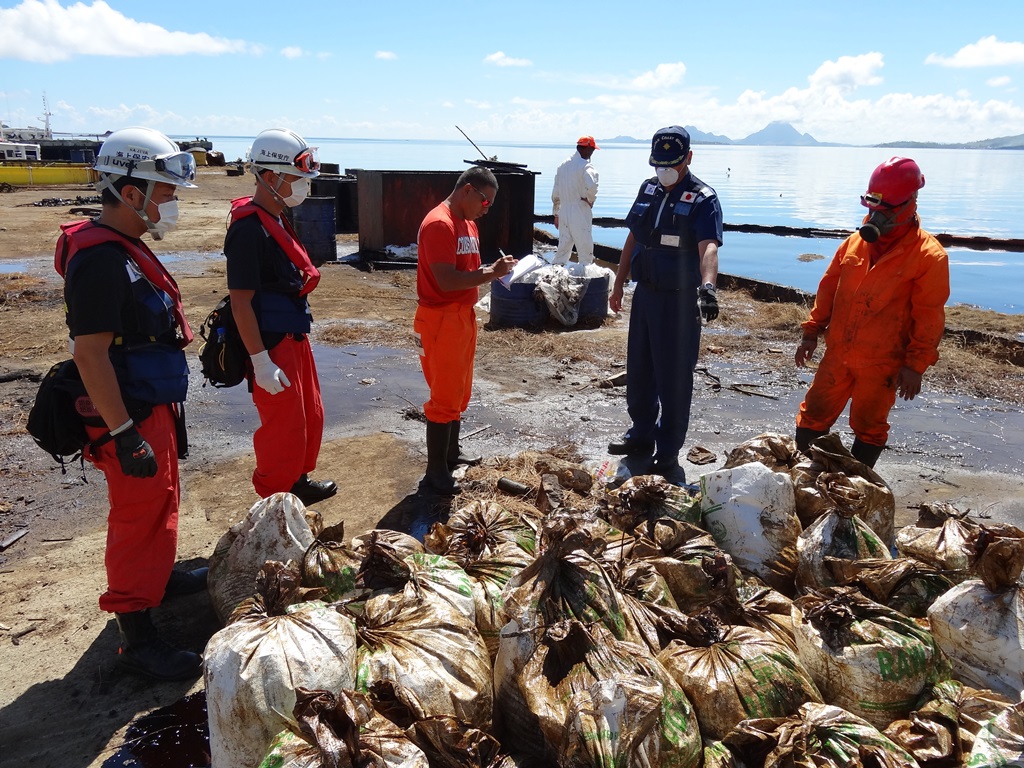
[675, 230]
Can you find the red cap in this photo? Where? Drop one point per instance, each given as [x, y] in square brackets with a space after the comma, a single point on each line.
[587, 141]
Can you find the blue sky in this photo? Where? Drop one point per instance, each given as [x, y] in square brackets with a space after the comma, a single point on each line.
[859, 73]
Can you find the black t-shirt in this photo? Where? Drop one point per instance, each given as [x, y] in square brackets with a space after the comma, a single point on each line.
[256, 262]
[98, 292]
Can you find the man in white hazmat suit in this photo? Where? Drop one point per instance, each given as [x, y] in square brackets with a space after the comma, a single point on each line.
[572, 199]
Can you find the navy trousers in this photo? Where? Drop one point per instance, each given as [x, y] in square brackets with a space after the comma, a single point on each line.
[661, 353]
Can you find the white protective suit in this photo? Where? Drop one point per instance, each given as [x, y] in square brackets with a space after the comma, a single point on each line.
[572, 199]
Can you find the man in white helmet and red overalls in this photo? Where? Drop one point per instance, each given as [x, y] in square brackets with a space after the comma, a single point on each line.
[269, 277]
[128, 331]
[881, 306]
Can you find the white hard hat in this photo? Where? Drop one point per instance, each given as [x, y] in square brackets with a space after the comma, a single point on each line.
[142, 153]
[283, 151]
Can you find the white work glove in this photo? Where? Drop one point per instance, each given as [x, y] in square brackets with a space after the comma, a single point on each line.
[267, 374]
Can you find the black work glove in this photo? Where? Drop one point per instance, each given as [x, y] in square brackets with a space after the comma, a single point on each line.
[135, 454]
[707, 302]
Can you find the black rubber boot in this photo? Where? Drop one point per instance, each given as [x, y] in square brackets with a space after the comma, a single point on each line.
[438, 477]
[186, 582]
[626, 447]
[668, 468]
[142, 652]
[866, 453]
[805, 436]
[456, 456]
[312, 491]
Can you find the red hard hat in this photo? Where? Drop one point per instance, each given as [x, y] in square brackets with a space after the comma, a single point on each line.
[893, 183]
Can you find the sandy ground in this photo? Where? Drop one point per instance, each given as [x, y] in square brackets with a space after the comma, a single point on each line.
[62, 699]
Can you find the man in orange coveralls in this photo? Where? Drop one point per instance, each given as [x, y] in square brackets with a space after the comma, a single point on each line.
[881, 306]
[448, 276]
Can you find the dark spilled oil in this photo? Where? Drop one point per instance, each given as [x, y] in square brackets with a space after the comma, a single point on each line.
[176, 736]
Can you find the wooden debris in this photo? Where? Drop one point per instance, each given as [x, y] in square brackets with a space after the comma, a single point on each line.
[16, 637]
[12, 538]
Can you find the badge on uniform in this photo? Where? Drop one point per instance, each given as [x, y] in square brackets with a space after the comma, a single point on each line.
[651, 189]
[682, 209]
[672, 241]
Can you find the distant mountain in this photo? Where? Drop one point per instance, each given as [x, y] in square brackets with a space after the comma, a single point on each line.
[781, 134]
[777, 134]
[698, 136]
[1004, 142]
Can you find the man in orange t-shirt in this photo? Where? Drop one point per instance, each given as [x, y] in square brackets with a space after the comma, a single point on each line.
[448, 276]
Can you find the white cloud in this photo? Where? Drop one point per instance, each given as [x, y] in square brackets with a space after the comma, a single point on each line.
[501, 60]
[987, 52]
[447, 104]
[291, 52]
[478, 104]
[663, 76]
[847, 73]
[998, 82]
[43, 31]
[387, 55]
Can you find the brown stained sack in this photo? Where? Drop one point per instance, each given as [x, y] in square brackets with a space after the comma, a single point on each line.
[942, 538]
[717, 755]
[275, 528]
[570, 694]
[331, 563]
[943, 730]
[980, 632]
[839, 534]
[737, 673]
[777, 452]
[754, 604]
[693, 566]
[998, 555]
[904, 584]
[448, 743]
[477, 531]
[567, 581]
[869, 659]
[402, 544]
[571, 476]
[649, 497]
[818, 736]
[492, 545]
[341, 731]
[849, 479]
[420, 654]
[750, 511]
[1000, 744]
[255, 665]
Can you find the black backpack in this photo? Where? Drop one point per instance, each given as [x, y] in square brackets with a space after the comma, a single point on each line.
[55, 421]
[222, 355]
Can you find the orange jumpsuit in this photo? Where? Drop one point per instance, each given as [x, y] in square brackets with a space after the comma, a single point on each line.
[445, 323]
[876, 319]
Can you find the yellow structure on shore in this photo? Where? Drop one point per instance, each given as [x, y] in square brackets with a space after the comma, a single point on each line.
[25, 174]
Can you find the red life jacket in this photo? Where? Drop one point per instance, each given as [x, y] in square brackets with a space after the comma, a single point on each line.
[284, 236]
[78, 235]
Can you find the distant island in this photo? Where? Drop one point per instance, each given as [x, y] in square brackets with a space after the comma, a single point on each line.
[783, 134]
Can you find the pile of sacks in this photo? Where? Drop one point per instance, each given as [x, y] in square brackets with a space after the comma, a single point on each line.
[775, 618]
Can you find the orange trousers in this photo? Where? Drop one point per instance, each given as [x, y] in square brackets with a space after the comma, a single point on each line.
[287, 443]
[142, 527]
[446, 337]
[870, 390]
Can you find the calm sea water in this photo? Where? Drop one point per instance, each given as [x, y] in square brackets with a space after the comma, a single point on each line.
[967, 192]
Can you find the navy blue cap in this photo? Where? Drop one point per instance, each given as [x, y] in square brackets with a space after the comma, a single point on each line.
[669, 146]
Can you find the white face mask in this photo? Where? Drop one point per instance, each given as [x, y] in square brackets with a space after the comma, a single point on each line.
[300, 190]
[168, 219]
[667, 176]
